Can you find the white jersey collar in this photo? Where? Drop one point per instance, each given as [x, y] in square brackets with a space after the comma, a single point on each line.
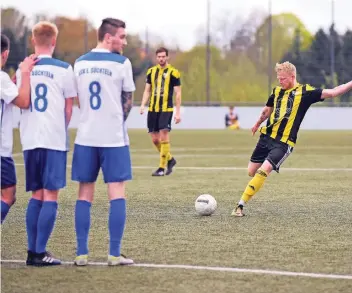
[44, 56]
[101, 50]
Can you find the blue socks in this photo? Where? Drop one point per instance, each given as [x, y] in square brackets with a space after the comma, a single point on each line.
[82, 224]
[4, 210]
[117, 219]
[32, 215]
[46, 222]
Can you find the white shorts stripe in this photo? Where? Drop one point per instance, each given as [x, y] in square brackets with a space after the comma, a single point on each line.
[288, 152]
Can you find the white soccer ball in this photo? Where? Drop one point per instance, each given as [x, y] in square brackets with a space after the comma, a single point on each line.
[205, 205]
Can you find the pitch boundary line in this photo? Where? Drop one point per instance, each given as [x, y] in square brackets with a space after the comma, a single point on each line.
[234, 168]
[207, 268]
[243, 168]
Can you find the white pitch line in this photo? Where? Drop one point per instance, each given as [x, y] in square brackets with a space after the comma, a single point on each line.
[305, 147]
[193, 155]
[250, 148]
[235, 168]
[219, 269]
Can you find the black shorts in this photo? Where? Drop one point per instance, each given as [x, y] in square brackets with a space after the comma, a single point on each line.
[159, 121]
[269, 149]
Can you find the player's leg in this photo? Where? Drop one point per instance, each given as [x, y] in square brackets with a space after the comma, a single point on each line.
[234, 126]
[8, 198]
[153, 129]
[155, 136]
[277, 154]
[53, 179]
[33, 174]
[171, 162]
[8, 185]
[253, 168]
[85, 170]
[32, 215]
[116, 167]
[256, 169]
[166, 159]
[166, 126]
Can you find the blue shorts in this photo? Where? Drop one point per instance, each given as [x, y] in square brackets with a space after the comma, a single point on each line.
[8, 172]
[45, 169]
[115, 163]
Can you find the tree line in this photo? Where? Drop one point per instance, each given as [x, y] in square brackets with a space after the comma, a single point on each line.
[240, 68]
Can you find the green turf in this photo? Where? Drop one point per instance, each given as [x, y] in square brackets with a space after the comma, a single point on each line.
[300, 221]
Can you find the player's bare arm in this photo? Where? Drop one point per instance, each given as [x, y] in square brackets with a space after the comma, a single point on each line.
[177, 90]
[146, 95]
[337, 91]
[265, 114]
[127, 103]
[24, 92]
[68, 109]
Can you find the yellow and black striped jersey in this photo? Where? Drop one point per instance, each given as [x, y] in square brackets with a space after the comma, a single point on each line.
[162, 81]
[290, 107]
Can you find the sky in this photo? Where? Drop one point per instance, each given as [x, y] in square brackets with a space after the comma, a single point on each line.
[179, 21]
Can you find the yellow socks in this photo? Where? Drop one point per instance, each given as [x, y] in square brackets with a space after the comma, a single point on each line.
[164, 152]
[254, 185]
[168, 156]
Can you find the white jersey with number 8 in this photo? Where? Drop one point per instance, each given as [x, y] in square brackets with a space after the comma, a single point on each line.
[101, 77]
[43, 125]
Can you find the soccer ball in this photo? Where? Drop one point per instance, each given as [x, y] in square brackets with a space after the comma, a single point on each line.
[205, 205]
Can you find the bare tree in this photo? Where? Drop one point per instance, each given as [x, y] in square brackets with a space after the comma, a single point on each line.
[15, 21]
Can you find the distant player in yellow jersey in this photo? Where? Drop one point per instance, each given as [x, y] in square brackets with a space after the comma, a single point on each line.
[231, 119]
[161, 83]
[285, 110]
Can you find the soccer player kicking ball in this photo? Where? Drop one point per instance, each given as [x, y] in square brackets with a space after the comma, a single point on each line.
[10, 96]
[43, 130]
[285, 110]
[105, 91]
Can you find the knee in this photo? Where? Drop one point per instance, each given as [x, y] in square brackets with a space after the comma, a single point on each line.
[9, 196]
[51, 195]
[86, 191]
[116, 190]
[14, 199]
[251, 172]
[156, 141]
[14, 196]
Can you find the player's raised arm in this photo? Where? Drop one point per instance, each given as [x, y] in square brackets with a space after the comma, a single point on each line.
[147, 91]
[337, 91]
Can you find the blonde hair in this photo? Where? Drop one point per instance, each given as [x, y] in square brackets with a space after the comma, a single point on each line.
[286, 67]
[44, 32]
